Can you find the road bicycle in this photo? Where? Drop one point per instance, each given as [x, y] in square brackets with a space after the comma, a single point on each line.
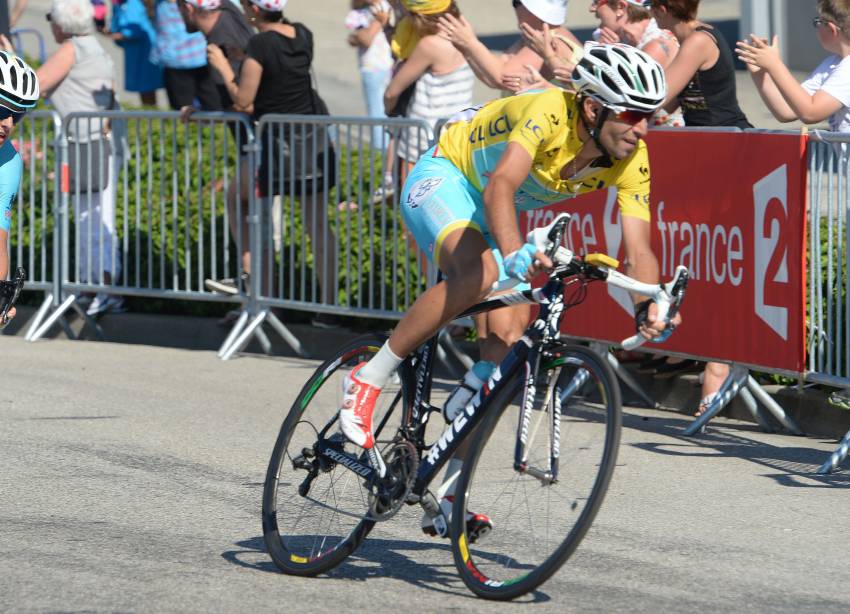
[545, 429]
[9, 292]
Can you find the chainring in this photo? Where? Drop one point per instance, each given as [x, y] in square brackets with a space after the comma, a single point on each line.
[387, 495]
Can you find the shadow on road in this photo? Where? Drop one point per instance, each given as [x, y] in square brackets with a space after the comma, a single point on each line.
[379, 558]
[797, 465]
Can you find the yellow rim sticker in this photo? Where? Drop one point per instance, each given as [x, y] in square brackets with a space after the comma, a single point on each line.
[463, 550]
[298, 559]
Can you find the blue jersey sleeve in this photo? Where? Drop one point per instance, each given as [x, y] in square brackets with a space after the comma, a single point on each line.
[11, 169]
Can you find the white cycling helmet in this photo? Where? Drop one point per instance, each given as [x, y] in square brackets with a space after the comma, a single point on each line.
[18, 84]
[620, 77]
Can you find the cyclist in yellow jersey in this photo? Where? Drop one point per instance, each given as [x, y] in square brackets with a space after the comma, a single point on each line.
[461, 202]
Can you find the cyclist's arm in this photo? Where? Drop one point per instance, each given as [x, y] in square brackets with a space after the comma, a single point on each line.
[4, 254]
[641, 263]
[513, 168]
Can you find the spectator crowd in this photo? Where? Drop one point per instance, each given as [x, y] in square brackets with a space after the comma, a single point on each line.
[417, 59]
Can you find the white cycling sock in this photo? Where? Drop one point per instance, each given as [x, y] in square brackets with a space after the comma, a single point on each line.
[447, 488]
[378, 370]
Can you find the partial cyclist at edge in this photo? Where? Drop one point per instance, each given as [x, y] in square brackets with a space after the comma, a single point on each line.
[463, 199]
[19, 93]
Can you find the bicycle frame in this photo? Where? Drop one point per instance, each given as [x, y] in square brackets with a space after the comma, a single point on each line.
[543, 329]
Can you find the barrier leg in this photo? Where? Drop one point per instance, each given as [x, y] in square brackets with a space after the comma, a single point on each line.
[234, 332]
[39, 316]
[287, 335]
[448, 344]
[772, 406]
[756, 412]
[263, 340]
[98, 331]
[837, 457]
[730, 387]
[58, 313]
[239, 344]
[579, 379]
[623, 375]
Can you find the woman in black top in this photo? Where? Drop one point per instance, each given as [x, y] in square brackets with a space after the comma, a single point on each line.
[297, 160]
[702, 77]
[702, 80]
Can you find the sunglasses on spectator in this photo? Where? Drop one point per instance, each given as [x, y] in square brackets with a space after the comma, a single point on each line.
[49, 17]
[633, 117]
[817, 22]
[597, 3]
[516, 3]
[15, 115]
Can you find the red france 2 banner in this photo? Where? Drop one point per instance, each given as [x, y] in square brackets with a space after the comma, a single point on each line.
[730, 207]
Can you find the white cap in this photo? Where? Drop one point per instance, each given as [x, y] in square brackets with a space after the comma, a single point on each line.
[553, 12]
[207, 5]
[272, 6]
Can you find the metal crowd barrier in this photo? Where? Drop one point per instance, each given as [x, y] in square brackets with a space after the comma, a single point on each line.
[36, 139]
[143, 208]
[330, 238]
[829, 250]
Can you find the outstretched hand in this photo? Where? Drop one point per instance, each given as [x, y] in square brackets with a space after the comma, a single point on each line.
[6, 45]
[758, 54]
[522, 81]
[607, 36]
[458, 31]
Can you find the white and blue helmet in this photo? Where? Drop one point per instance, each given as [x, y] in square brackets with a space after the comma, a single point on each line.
[19, 90]
[620, 77]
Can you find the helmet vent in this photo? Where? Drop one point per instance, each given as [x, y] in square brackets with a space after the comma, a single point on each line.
[609, 82]
[624, 74]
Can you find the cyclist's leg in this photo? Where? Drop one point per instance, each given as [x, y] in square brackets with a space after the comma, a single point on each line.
[438, 206]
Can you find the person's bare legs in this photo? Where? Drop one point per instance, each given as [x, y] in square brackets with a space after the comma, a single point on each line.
[713, 377]
[471, 271]
[238, 220]
[324, 247]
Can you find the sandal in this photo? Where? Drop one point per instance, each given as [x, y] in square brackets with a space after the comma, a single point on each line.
[703, 405]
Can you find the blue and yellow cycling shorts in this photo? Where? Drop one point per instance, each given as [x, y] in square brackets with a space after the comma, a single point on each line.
[437, 199]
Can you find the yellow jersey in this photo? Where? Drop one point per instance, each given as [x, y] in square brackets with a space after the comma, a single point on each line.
[545, 125]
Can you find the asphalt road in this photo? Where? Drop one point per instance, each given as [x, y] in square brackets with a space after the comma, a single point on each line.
[131, 480]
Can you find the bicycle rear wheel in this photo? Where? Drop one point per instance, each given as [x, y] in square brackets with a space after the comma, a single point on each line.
[541, 511]
[315, 512]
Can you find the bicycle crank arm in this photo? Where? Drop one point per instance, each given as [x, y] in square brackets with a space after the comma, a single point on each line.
[329, 452]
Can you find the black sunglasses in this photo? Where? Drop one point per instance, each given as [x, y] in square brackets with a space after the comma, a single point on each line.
[516, 3]
[49, 17]
[15, 115]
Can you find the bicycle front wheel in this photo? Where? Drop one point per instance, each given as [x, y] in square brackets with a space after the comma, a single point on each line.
[315, 511]
[542, 506]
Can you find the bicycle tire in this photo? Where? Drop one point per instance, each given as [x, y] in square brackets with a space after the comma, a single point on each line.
[314, 553]
[504, 575]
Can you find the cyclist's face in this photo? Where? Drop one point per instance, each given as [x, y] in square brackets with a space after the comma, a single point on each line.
[6, 126]
[621, 133]
[621, 136]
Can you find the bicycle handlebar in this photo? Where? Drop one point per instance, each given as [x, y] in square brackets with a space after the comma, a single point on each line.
[9, 292]
[668, 297]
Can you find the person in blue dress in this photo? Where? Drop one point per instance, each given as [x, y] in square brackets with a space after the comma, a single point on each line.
[132, 30]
